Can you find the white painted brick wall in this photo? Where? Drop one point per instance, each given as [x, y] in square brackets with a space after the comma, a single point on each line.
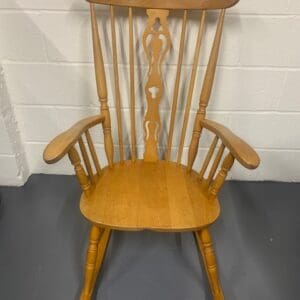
[13, 162]
[46, 55]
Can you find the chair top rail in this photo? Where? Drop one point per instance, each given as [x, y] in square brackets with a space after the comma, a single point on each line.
[170, 4]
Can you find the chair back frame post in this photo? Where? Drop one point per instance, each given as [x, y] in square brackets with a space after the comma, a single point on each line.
[156, 42]
[206, 92]
[101, 87]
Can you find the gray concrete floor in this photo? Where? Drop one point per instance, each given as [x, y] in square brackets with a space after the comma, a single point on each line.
[43, 240]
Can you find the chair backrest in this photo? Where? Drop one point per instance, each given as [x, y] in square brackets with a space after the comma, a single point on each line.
[157, 42]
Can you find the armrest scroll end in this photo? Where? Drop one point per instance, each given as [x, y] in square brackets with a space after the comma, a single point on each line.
[61, 144]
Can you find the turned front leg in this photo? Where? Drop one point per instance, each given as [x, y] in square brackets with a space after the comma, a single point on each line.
[102, 246]
[206, 247]
[91, 260]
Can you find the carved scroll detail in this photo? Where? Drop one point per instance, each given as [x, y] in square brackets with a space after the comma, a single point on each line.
[156, 42]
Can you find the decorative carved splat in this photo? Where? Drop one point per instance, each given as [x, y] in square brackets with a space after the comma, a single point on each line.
[156, 42]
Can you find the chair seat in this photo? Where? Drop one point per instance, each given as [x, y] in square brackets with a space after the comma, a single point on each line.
[160, 196]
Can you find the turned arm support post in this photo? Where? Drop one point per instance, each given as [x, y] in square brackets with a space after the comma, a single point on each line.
[240, 150]
[80, 173]
[221, 176]
[102, 87]
[64, 144]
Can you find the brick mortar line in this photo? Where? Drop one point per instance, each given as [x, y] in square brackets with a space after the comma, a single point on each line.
[29, 142]
[8, 155]
[80, 107]
[83, 10]
[74, 63]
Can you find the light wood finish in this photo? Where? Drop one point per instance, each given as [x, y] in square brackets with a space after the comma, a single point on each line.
[156, 42]
[152, 194]
[91, 260]
[204, 242]
[211, 67]
[206, 92]
[101, 88]
[192, 85]
[171, 4]
[86, 160]
[132, 85]
[215, 164]
[80, 173]
[102, 247]
[220, 179]
[61, 144]
[244, 153]
[93, 152]
[176, 89]
[208, 157]
[117, 84]
[143, 195]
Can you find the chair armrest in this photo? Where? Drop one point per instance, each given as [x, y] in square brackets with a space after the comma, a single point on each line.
[243, 152]
[61, 144]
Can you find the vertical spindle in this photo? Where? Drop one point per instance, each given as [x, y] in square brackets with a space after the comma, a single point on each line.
[215, 164]
[86, 160]
[93, 152]
[132, 85]
[192, 84]
[117, 84]
[208, 157]
[176, 88]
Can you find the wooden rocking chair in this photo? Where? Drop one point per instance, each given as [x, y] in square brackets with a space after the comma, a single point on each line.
[149, 193]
